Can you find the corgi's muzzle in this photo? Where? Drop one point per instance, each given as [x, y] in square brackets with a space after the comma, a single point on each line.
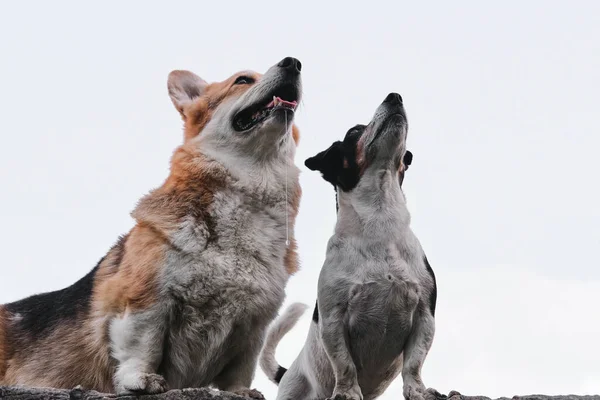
[276, 95]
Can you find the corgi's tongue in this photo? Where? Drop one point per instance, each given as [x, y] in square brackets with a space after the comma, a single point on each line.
[279, 102]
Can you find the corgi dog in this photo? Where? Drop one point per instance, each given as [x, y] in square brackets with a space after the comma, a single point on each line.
[184, 298]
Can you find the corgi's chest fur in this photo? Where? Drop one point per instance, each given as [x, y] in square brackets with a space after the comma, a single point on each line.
[243, 243]
[225, 280]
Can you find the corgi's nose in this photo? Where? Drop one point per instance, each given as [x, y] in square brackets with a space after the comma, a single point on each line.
[393, 98]
[291, 64]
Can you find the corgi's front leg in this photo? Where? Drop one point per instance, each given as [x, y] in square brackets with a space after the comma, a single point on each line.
[136, 340]
[238, 374]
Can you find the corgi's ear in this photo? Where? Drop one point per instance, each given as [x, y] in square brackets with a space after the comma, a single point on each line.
[328, 162]
[184, 88]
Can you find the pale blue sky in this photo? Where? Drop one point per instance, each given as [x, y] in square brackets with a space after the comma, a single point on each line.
[502, 101]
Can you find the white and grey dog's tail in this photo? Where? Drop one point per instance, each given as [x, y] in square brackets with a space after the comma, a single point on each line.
[278, 330]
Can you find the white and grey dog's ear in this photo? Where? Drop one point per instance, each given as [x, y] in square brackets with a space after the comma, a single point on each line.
[337, 165]
[407, 160]
[328, 162]
[184, 87]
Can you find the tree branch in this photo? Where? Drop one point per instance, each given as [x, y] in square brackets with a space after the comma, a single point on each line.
[25, 393]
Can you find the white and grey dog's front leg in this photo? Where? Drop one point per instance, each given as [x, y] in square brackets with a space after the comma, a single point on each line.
[238, 374]
[334, 336]
[137, 345]
[415, 351]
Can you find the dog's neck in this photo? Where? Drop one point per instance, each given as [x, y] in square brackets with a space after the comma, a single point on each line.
[375, 208]
[258, 173]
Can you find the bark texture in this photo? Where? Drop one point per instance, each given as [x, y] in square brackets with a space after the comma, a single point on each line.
[23, 393]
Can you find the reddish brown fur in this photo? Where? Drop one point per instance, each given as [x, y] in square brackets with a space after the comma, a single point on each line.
[190, 186]
[132, 284]
[70, 356]
[188, 189]
[296, 134]
[75, 353]
[126, 280]
[199, 114]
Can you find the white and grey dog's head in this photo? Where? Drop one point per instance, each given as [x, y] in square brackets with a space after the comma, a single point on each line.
[367, 149]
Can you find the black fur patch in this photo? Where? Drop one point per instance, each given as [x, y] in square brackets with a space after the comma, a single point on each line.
[42, 312]
[280, 372]
[338, 164]
[433, 298]
[316, 313]
[408, 157]
[406, 160]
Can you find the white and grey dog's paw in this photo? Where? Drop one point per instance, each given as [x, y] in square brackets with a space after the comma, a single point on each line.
[343, 396]
[143, 383]
[432, 394]
[353, 393]
[250, 393]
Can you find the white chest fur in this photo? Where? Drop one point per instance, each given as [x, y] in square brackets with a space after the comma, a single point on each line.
[240, 248]
[225, 279]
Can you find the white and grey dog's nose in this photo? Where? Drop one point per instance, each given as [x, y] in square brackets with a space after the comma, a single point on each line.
[393, 98]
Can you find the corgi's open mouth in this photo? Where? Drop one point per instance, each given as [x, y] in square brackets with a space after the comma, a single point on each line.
[284, 98]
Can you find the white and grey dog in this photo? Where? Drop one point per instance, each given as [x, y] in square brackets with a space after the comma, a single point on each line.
[374, 316]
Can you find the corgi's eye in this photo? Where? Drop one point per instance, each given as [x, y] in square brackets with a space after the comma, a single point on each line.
[243, 80]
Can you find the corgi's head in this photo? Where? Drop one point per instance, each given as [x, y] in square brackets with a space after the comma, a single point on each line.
[247, 115]
[367, 149]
